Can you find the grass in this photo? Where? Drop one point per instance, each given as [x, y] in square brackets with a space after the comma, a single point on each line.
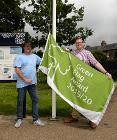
[8, 99]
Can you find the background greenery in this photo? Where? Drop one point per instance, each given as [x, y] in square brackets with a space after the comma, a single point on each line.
[8, 98]
[14, 18]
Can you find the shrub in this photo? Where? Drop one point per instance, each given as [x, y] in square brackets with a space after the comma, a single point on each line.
[100, 56]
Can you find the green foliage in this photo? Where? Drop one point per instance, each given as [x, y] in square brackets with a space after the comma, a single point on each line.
[114, 58]
[100, 56]
[41, 77]
[39, 53]
[67, 21]
[11, 18]
[85, 32]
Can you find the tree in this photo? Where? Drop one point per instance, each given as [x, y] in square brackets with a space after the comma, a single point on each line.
[100, 56]
[11, 18]
[67, 20]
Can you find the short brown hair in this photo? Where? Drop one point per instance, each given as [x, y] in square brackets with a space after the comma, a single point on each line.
[27, 42]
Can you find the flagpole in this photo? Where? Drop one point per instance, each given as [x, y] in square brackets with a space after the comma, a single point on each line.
[54, 35]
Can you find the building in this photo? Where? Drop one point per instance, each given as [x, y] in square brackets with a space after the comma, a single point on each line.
[110, 50]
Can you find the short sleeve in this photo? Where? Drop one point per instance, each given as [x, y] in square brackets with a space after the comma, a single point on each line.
[92, 59]
[17, 62]
[38, 60]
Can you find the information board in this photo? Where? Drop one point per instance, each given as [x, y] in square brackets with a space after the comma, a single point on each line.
[9, 47]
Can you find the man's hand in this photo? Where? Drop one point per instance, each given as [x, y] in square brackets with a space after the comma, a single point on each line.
[28, 81]
[67, 50]
[109, 76]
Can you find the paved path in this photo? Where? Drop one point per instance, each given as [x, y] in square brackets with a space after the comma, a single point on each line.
[57, 130]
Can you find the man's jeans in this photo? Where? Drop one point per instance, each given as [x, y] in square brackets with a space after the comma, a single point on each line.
[20, 99]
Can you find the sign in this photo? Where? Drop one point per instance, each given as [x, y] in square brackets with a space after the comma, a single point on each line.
[9, 48]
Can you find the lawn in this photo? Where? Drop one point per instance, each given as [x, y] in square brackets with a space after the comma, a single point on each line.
[8, 98]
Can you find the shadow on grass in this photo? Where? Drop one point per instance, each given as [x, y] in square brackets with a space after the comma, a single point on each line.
[7, 109]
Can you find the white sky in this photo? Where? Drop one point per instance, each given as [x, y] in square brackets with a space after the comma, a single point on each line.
[101, 16]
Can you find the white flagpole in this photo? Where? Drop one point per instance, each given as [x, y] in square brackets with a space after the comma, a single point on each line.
[54, 35]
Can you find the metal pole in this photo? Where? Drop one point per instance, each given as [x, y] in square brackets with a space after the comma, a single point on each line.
[54, 35]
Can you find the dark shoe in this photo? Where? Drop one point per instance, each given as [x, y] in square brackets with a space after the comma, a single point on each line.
[70, 120]
[92, 125]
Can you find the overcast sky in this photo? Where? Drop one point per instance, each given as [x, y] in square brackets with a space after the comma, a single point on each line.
[101, 16]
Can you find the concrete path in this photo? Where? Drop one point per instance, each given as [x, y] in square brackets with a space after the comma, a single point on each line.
[58, 130]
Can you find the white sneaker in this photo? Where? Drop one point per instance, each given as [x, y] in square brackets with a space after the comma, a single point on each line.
[38, 123]
[18, 123]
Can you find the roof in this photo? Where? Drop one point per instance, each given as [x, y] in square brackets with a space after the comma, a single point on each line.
[110, 47]
[107, 47]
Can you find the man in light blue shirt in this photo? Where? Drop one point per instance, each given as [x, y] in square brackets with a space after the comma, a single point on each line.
[25, 68]
[27, 65]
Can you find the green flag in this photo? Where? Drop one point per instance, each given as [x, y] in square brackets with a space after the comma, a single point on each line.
[84, 88]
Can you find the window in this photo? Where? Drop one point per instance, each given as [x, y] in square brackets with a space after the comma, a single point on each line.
[15, 50]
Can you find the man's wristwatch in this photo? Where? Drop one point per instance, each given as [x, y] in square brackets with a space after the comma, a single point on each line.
[106, 72]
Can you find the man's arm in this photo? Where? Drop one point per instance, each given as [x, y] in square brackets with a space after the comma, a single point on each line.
[20, 74]
[101, 68]
[95, 63]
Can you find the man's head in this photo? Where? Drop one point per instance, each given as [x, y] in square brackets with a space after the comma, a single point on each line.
[27, 47]
[79, 43]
